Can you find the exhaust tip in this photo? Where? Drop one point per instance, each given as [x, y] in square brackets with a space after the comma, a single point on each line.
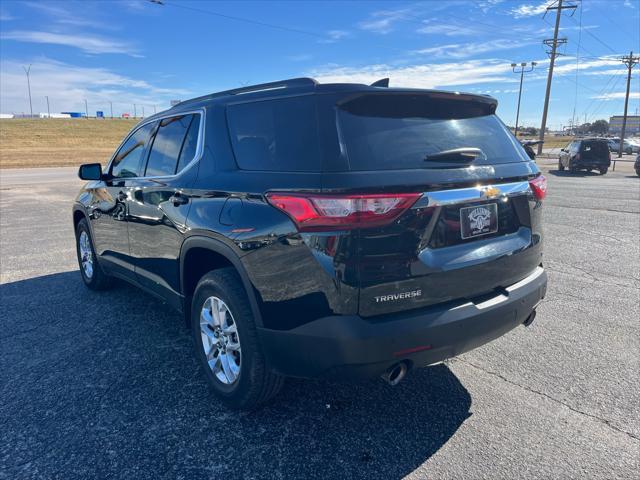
[395, 374]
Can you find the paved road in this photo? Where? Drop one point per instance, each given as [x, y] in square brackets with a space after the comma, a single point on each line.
[104, 385]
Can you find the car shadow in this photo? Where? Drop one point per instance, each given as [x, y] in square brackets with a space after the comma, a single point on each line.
[579, 173]
[104, 384]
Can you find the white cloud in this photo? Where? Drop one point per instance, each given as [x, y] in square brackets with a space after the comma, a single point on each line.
[527, 10]
[618, 96]
[57, 13]
[68, 85]
[450, 30]
[87, 43]
[464, 50]
[383, 21]
[334, 36]
[420, 76]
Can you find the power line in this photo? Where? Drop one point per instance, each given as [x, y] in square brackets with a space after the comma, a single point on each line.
[597, 39]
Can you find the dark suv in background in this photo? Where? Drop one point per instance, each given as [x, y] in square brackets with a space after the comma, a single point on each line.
[310, 229]
[586, 154]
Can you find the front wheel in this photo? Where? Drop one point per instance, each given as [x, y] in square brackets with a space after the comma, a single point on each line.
[603, 170]
[560, 166]
[226, 342]
[92, 274]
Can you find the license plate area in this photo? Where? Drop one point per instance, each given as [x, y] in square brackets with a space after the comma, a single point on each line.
[478, 220]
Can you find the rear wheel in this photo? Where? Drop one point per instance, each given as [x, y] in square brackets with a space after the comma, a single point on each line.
[603, 170]
[92, 274]
[226, 342]
[560, 165]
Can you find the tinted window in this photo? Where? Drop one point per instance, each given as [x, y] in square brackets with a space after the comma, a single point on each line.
[167, 145]
[190, 144]
[275, 135]
[596, 147]
[383, 132]
[128, 162]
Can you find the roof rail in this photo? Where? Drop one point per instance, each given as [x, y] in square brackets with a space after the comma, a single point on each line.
[291, 83]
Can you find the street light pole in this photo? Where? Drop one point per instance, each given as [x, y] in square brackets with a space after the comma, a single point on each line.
[522, 72]
[111, 107]
[27, 70]
[48, 109]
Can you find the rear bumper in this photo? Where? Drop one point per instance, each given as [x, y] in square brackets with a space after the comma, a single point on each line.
[351, 346]
[593, 164]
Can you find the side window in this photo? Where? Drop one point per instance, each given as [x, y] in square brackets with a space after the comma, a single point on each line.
[167, 145]
[190, 144]
[275, 135]
[129, 160]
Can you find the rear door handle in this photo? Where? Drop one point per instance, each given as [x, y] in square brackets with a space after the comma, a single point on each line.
[178, 199]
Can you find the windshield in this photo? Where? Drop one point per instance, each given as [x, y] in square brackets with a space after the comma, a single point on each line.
[398, 132]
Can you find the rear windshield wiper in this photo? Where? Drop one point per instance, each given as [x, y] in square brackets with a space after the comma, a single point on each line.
[465, 154]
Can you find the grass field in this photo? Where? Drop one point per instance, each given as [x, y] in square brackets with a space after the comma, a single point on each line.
[59, 142]
[71, 142]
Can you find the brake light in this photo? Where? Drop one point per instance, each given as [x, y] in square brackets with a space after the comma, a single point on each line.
[539, 186]
[340, 212]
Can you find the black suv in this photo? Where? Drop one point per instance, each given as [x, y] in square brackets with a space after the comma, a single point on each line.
[586, 154]
[310, 229]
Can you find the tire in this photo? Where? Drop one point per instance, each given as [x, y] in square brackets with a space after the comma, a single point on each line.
[243, 380]
[90, 270]
[603, 170]
[560, 166]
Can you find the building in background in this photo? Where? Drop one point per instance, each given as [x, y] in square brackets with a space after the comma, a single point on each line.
[633, 125]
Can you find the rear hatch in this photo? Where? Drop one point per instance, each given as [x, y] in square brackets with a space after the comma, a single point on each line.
[471, 232]
[595, 152]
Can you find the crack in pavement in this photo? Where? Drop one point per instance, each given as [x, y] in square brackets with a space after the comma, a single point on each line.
[542, 394]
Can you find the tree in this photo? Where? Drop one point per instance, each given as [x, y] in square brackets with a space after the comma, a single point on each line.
[600, 127]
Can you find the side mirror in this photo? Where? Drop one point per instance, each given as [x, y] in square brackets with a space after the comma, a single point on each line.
[563, 149]
[90, 171]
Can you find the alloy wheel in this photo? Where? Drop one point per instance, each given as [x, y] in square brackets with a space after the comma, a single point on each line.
[220, 340]
[86, 254]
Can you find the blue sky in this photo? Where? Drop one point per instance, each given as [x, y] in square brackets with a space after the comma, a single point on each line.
[139, 52]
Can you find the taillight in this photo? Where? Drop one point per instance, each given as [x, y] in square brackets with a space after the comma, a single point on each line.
[339, 212]
[539, 186]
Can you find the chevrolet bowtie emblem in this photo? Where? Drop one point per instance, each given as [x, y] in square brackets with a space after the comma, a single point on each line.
[490, 192]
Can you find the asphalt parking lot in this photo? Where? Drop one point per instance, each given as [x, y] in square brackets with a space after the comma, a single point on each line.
[104, 385]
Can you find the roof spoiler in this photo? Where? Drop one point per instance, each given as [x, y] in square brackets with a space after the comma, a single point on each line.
[383, 82]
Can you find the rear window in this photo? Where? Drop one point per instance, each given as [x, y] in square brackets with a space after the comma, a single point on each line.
[385, 132]
[596, 147]
[275, 135]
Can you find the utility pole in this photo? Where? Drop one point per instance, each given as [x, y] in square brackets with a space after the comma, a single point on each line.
[522, 72]
[48, 109]
[27, 70]
[553, 43]
[111, 107]
[86, 109]
[154, 109]
[142, 111]
[135, 112]
[629, 61]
